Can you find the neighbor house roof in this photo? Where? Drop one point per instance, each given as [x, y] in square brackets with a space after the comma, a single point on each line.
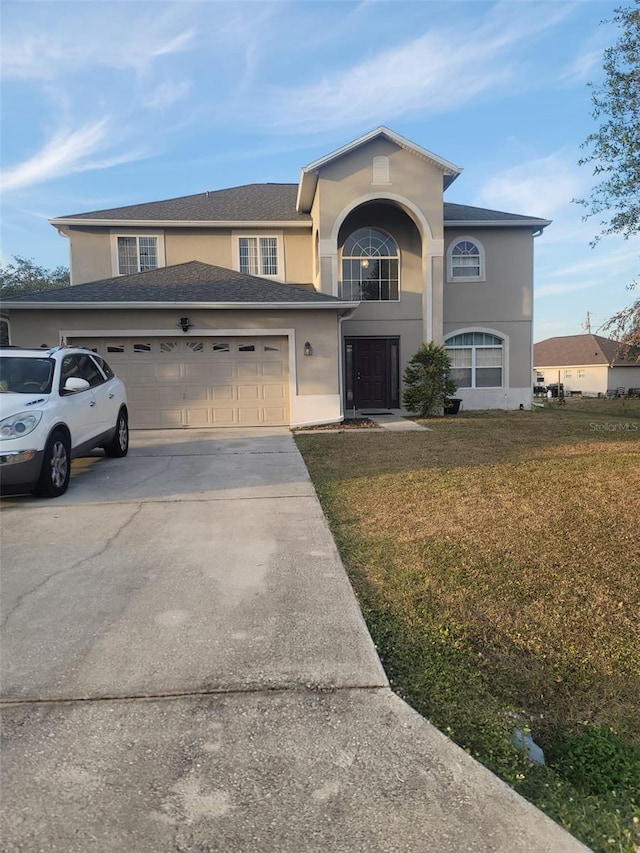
[262, 205]
[192, 283]
[572, 350]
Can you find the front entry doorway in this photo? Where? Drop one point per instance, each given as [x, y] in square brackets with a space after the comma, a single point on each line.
[372, 380]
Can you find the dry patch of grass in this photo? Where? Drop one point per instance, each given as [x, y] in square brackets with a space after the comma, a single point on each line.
[496, 559]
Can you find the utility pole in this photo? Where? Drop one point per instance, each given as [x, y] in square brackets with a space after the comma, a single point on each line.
[587, 323]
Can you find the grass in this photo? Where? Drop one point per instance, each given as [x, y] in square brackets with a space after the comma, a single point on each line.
[496, 559]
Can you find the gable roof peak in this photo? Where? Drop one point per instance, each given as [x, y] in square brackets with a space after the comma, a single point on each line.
[309, 174]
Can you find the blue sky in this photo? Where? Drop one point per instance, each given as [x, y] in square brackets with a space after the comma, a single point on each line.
[113, 103]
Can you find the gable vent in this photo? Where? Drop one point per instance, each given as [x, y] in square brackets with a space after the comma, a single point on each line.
[380, 170]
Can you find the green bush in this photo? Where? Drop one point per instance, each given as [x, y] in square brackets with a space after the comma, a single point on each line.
[426, 380]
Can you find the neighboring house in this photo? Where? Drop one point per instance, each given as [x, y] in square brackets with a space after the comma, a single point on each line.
[295, 303]
[586, 363]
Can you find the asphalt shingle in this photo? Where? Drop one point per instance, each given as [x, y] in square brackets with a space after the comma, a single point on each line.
[190, 282]
[261, 203]
[578, 349]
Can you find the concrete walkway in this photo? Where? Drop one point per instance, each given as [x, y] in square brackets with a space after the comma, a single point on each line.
[185, 668]
[397, 423]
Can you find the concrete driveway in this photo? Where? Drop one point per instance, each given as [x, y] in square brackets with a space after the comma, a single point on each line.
[185, 668]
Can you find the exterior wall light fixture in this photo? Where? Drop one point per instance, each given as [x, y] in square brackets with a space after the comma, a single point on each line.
[308, 349]
[185, 324]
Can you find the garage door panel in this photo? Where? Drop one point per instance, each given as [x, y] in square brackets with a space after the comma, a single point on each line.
[248, 392]
[178, 382]
[222, 392]
[273, 392]
[164, 372]
[273, 370]
[249, 370]
[222, 371]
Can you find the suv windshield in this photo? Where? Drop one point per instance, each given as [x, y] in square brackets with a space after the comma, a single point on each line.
[21, 375]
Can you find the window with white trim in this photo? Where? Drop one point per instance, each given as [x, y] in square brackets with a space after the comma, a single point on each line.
[258, 255]
[465, 260]
[137, 254]
[370, 267]
[477, 360]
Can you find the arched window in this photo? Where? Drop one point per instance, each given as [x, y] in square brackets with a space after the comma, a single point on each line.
[477, 360]
[466, 260]
[370, 266]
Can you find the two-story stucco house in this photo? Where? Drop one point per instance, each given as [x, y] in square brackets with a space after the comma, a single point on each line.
[295, 303]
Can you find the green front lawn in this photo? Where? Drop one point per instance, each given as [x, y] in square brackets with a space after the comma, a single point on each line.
[497, 563]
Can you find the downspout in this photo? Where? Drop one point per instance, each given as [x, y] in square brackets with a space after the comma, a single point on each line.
[66, 237]
[346, 315]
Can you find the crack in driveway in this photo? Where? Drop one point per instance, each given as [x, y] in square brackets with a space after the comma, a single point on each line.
[21, 599]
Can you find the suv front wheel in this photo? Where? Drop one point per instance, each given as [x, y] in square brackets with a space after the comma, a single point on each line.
[56, 466]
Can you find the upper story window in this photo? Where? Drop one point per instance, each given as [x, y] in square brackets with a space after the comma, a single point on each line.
[370, 267]
[4, 332]
[465, 259]
[258, 255]
[137, 254]
[477, 359]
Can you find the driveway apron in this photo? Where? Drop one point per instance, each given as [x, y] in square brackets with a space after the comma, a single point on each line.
[185, 668]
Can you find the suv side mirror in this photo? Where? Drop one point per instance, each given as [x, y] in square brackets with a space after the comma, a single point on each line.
[75, 384]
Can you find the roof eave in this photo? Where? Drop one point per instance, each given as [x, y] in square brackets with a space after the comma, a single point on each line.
[498, 223]
[184, 223]
[213, 306]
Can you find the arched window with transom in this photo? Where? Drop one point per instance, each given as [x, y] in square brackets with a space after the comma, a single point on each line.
[370, 267]
[466, 260]
[477, 359]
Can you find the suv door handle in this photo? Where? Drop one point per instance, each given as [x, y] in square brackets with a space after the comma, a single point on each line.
[111, 396]
[92, 403]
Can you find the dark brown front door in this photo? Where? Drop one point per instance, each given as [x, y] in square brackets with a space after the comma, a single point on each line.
[373, 364]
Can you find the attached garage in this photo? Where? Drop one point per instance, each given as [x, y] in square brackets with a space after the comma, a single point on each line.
[200, 381]
[201, 346]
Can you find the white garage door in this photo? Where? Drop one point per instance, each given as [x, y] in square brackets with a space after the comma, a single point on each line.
[192, 382]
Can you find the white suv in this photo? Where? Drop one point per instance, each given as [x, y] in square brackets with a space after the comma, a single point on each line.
[56, 404]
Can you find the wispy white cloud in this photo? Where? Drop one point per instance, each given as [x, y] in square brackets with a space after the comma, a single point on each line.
[613, 261]
[167, 94]
[439, 71]
[582, 67]
[540, 187]
[560, 288]
[65, 153]
[100, 35]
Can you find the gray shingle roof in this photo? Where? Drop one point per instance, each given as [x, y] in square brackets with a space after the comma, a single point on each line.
[465, 213]
[190, 282]
[578, 349]
[250, 203]
[261, 203]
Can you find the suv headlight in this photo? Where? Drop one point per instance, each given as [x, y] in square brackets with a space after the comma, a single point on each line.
[18, 425]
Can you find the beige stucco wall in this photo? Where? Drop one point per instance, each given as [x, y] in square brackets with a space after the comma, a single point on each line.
[507, 292]
[89, 253]
[342, 182]
[502, 303]
[316, 375]
[92, 255]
